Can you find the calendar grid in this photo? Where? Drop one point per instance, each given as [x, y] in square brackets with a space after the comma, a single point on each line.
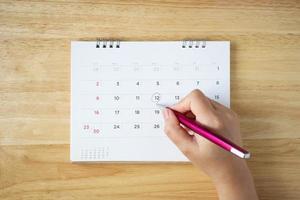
[114, 93]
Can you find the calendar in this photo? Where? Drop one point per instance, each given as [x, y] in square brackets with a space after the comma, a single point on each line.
[115, 88]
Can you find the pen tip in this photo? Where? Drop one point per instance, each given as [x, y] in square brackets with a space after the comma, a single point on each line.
[161, 106]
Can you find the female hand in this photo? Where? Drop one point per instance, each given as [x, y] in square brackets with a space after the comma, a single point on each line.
[229, 173]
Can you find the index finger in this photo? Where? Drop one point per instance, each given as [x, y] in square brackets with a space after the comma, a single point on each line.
[196, 102]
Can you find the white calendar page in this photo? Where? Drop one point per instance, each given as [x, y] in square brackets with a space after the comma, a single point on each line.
[115, 88]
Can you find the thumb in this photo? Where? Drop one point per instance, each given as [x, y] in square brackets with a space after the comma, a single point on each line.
[180, 137]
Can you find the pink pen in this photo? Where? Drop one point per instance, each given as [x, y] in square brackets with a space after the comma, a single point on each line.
[217, 139]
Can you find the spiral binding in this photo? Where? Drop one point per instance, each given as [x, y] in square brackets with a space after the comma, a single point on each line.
[116, 44]
[107, 44]
[193, 44]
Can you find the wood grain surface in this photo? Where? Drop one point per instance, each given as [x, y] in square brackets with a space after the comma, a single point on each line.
[35, 94]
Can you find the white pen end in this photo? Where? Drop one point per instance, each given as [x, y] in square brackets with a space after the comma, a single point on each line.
[247, 155]
[240, 154]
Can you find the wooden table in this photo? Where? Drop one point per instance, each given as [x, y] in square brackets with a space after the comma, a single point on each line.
[35, 94]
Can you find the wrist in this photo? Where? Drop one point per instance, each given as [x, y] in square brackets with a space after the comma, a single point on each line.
[232, 170]
[236, 183]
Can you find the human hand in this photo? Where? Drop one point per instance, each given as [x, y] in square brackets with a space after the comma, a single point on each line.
[227, 171]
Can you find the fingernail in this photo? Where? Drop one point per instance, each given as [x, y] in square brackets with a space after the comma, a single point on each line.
[166, 113]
